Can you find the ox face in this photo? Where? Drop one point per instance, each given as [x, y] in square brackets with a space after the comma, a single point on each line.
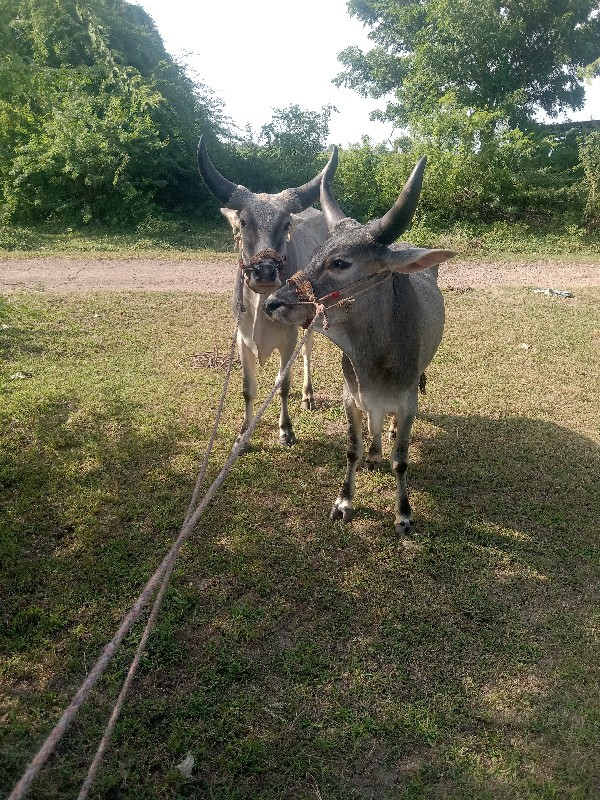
[262, 223]
[262, 227]
[346, 261]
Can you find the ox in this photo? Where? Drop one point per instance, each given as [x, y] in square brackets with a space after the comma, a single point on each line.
[379, 302]
[275, 234]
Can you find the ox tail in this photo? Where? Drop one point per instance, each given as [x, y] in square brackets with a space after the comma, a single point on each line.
[423, 383]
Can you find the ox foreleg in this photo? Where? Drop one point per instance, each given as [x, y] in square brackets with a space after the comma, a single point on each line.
[308, 398]
[342, 507]
[248, 360]
[286, 429]
[399, 459]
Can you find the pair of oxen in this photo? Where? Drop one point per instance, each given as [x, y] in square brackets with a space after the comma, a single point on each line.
[377, 299]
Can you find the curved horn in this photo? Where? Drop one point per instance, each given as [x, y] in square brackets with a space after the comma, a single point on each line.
[387, 229]
[333, 213]
[217, 184]
[308, 193]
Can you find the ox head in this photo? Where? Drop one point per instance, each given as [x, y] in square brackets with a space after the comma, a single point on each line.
[262, 223]
[353, 253]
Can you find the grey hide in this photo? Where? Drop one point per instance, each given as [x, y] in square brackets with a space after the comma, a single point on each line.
[275, 235]
[388, 334]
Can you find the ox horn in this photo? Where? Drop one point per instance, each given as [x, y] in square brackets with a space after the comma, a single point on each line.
[387, 229]
[333, 213]
[218, 185]
[308, 193]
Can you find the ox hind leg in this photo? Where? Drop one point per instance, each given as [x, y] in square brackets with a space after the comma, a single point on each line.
[342, 507]
[248, 360]
[404, 416]
[374, 456]
[308, 398]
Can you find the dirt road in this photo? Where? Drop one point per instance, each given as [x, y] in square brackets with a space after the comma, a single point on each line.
[91, 274]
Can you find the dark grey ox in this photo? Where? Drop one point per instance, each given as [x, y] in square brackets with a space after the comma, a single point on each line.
[388, 332]
[275, 235]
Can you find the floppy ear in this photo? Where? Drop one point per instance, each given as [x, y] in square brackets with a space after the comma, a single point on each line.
[409, 259]
[232, 217]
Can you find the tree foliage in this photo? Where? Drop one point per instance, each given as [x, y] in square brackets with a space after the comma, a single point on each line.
[590, 159]
[96, 120]
[288, 150]
[511, 56]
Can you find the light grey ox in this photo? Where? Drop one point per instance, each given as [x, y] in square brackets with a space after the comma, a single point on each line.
[383, 308]
[275, 235]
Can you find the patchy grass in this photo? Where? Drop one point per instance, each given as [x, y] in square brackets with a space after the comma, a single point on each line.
[185, 237]
[509, 240]
[297, 658]
[189, 237]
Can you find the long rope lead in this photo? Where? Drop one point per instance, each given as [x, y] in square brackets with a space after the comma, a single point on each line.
[167, 564]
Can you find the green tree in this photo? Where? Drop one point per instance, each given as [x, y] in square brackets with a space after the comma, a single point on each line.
[96, 119]
[288, 151]
[511, 56]
[590, 159]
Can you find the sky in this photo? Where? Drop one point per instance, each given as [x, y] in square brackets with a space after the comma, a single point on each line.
[258, 55]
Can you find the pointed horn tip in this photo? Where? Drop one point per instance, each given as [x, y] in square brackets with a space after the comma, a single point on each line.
[420, 166]
[331, 165]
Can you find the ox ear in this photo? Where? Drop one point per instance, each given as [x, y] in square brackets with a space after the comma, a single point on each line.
[232, 217]
[407, 258]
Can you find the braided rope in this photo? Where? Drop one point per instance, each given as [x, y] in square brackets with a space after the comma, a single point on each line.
[156, 580]
[108, 731]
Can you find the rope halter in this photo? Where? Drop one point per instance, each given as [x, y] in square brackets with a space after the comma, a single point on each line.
[341, 297]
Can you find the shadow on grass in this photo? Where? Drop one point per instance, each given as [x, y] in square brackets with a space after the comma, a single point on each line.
[296, 658]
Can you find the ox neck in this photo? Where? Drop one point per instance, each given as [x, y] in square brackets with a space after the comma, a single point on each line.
[355, 327]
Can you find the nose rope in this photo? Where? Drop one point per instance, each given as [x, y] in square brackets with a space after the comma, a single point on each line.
[268, 252]
[342, 297]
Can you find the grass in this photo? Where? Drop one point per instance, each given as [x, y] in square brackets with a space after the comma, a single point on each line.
[191, 238]
[153, 238]
[297, 658]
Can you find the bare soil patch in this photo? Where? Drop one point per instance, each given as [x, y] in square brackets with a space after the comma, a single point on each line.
[65, 275]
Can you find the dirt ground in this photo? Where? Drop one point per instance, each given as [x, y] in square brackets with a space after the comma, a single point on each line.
[65, 275]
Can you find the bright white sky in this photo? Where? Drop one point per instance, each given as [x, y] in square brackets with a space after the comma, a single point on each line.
[258, 55]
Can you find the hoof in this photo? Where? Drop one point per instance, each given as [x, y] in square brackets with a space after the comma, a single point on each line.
[308, 403]
[287, 439]
[404, 527]
[246, 448]
[341, 511]
[372, 465]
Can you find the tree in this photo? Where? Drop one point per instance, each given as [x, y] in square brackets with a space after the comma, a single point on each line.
[292, 143]
[288, 151]
[507, 56]
[96, 119]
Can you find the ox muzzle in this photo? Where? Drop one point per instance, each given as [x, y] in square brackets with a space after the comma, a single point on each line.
[264, 272]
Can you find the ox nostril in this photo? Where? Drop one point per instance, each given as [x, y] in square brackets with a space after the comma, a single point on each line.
[271, 305]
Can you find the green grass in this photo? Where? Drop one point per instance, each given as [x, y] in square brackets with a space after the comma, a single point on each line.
[156, 237]
[297, 658]
[506, 240]
[192, 238]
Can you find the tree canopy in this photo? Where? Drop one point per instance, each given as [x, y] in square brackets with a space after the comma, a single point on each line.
[96, 119]
[513, 57]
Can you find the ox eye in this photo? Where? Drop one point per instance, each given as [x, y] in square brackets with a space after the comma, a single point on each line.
[242, 223]
[339, 263]
[287, 226]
